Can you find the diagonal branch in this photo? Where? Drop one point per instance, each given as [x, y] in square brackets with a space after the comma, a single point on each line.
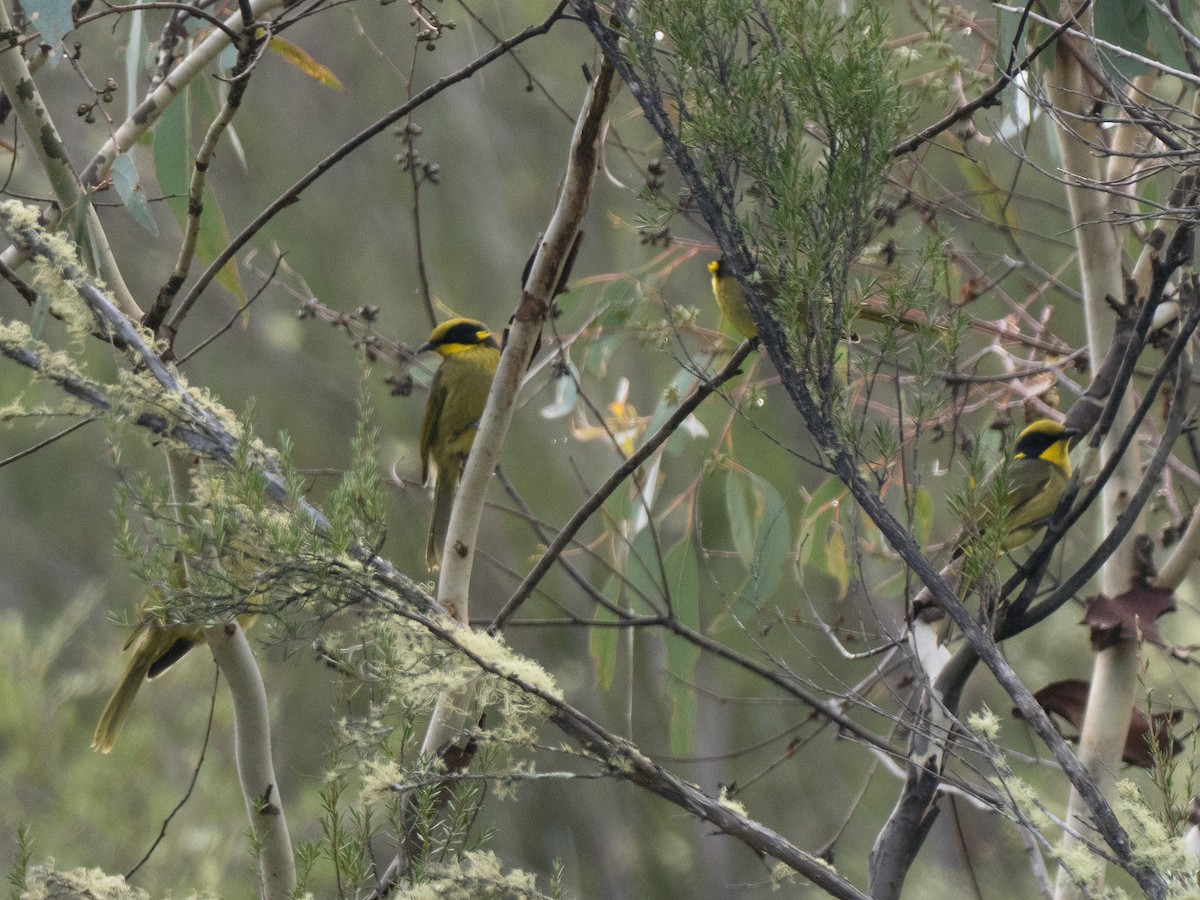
[845, 467]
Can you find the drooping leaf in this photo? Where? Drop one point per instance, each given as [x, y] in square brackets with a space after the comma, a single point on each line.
[305, 63]
[37, 321]
[821, 545]
[642, 569]
[172, 156]
[837, 563]
[995, 201]
[602, 638]
[566, 395]
[1126, 24]
[125, 180]
[682, 655]
[213, 238]
[1165, 39]
[135, 48]
[738, 507]
[173, 161]
[922, 517]
[681, 385]
[761, 532]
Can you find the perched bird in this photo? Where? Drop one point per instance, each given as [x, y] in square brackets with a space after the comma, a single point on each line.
[156, 647]
[457, 395]
[731, 300]
[1037, 477]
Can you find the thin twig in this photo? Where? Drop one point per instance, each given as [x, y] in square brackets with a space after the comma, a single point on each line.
[292, 194]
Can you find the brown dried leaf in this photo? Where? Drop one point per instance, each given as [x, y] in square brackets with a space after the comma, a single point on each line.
[1068, 700]
[1128, 616]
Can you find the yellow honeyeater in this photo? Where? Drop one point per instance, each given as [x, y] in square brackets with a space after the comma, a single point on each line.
[156, 647]
[457, 396]
[1037, 477]
[731, 300]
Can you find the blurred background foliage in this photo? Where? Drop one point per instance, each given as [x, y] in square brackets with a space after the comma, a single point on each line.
[759, 540]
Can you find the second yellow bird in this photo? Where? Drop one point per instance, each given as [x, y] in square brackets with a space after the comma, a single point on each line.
[731, 300]
[457, 396]
[157, 646]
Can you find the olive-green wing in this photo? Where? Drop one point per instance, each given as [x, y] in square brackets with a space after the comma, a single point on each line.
[429, 424]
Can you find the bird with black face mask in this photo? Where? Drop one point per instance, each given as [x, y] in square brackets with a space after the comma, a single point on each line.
[457, 396]
[1036, 478]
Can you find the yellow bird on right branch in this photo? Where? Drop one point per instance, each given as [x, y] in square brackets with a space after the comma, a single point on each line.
[1037, 477]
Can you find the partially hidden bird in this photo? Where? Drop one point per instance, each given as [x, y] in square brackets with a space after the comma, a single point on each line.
[731, 300]
[157, 645]
[457, 396]
[1036, 478]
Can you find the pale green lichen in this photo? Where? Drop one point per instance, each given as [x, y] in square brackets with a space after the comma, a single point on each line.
[55, 366]
[14, 334]
[781, 875]
[42, 883]
[1086, 869]
[492, 652]
[1025, 800]
[56, 273]
[14, 410]
[1154, 845]
[477, 875]
[734, 806]
[984, 723]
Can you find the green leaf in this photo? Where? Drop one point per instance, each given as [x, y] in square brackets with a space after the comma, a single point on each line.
[642, 570]
[213, 238]
[1126, 24]
[637, 564]
[761, 532]
[837, 564]
[680, 386]
[602, 639]
[172, 157]
[37, 321]
[922, 517]
[682, 655]
[173, 161]
[52, 18]
[1164, 38]
[135, 54]
[125, 180]
[822, 547]
[995, 201]
[1018, 111]
[1006, 33]
[738, 505]
[618, 506]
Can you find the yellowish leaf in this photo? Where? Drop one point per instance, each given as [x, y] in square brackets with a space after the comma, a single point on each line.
[305, 63]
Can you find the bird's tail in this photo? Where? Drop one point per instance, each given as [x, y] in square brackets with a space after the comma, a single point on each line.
[117, 708]
[443, 500]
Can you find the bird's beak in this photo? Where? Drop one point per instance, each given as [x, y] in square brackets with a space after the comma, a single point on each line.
[424, 348]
